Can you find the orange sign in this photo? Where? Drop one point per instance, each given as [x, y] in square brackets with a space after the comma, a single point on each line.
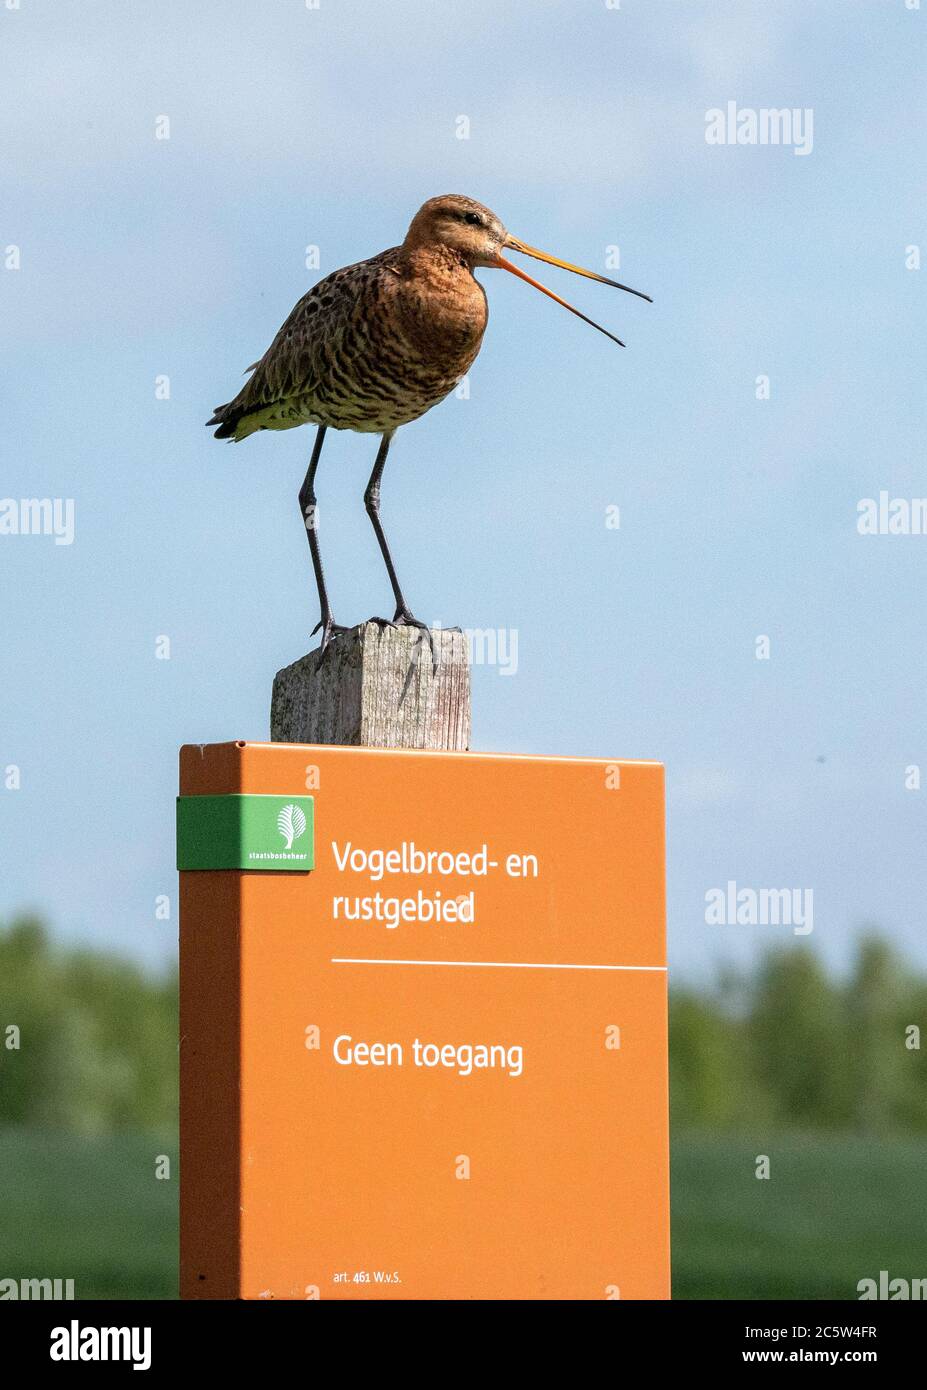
[434, 1065]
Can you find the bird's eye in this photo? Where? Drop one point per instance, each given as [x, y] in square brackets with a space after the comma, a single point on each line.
[473, 218]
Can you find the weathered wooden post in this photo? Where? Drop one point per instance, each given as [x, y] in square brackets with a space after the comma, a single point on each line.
[378, 687]
[423, 1001]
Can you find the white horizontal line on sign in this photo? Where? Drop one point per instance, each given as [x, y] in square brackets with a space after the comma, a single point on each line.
[499, 964]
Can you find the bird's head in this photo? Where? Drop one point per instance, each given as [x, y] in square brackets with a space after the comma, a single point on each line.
[460, 224]
[478, 236]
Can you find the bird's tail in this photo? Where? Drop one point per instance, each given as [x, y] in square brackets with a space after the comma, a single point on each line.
[232, 418]
[226, 417]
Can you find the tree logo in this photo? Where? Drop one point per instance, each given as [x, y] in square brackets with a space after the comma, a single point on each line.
[291, 823]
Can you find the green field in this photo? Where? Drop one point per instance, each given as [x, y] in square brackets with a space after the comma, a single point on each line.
[90, 1210]
[834, 1211]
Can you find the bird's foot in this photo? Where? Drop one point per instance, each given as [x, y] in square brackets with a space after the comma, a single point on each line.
[403, 618]
[329, 630]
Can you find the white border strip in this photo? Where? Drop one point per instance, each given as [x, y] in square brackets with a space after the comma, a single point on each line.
[496, 964]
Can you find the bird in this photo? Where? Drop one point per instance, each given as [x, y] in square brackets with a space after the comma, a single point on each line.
[375, 345]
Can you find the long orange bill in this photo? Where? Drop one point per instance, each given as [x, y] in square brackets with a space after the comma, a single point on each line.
[513, 270]
[527, 250]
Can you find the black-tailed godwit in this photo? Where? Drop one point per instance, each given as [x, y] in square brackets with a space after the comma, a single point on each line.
[376, 344]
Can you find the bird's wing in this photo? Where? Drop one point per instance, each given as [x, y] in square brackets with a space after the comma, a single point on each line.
[288, 365]
[297, 357]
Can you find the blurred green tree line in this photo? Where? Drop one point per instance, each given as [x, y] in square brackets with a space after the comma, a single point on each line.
[794, 1046]
[95, 1046]
[88, 1042]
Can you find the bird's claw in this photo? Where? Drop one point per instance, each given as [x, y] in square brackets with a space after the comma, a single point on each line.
[329, 630]
[403, 618]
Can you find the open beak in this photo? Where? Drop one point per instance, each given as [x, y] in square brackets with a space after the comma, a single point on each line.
[526, 250]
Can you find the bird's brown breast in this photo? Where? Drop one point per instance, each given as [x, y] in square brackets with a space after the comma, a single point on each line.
[439, 309]
[415, 328]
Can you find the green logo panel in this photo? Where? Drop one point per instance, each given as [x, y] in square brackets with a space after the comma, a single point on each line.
[246, 832]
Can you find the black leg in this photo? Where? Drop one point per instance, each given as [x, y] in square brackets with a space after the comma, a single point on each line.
[372, 503]
[403, 615]
[307, 505]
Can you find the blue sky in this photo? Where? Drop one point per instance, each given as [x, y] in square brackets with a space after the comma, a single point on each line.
[292, 127]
